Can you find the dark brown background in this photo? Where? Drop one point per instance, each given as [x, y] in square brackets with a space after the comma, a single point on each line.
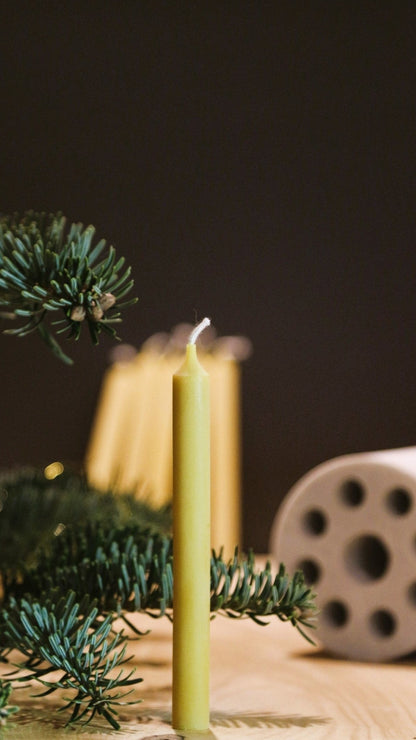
[254, 162]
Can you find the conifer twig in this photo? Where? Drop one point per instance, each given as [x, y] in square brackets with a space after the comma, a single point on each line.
[50, 505]
[72, 638]
[6, 709]
[59, 613]
[129, 569]
[46, 268]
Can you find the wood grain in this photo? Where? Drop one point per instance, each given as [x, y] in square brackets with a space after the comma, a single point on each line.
[266, 682]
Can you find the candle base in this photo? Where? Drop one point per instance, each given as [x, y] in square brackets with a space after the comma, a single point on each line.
[189, 723]
[190, 733]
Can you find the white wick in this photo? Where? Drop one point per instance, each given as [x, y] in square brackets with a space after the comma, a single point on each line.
[198, 329]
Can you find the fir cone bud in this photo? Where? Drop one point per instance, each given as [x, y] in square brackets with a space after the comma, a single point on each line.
[106, 301]
[78, 313]
[97, 312]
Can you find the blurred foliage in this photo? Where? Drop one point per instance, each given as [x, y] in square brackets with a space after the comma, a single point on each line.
[73, 560]
[34, 508]
[6, 709]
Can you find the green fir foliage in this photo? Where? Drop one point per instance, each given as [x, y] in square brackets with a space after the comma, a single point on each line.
[6, 709]
[129, 569]
[33, 509]
[71, 638]
[59, 612]
[48, 269]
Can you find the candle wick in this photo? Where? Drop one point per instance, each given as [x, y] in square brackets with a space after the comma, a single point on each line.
[198, 329]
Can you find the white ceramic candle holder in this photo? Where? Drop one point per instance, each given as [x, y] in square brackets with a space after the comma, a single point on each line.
[350, 525]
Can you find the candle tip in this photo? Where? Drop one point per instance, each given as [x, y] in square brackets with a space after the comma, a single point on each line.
[198, 329]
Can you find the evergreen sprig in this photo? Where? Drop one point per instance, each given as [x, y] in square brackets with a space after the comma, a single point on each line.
[91, 574]
[239, 589]
[129, 570]
[46, 268]
[6, 709]
[33, 508]
[73, 639]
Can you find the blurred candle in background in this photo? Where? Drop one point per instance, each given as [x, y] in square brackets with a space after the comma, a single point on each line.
[223, 366]
[110, 435]
[130, 446]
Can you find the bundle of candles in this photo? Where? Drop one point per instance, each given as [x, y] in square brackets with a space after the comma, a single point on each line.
[130, 447]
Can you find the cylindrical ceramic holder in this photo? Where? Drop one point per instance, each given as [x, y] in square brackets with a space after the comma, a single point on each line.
[350, 525]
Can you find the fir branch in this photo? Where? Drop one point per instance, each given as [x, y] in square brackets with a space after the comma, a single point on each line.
[74, 640]
[45, 268]
[6, 709]
[128, 570]
[51, 505]
[59, 613]
[238, 589]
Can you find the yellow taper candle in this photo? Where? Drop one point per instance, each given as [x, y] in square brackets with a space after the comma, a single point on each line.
[191, 542]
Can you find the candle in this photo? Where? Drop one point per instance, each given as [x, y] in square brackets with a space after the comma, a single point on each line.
[132, 470]
[191, 542]
[109, 435]
[224, 373]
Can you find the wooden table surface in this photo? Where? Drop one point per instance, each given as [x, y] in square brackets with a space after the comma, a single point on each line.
[267, 682]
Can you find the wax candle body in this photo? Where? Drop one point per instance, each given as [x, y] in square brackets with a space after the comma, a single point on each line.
[224, 374]
[191, 545]
[109, 437]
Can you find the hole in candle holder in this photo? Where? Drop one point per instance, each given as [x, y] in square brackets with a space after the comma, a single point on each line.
[335, 613]
[311, 570]
[315, 522]
[399, 501]
[382, 623]
[367, 558]
[352, 492]
[411, 593]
